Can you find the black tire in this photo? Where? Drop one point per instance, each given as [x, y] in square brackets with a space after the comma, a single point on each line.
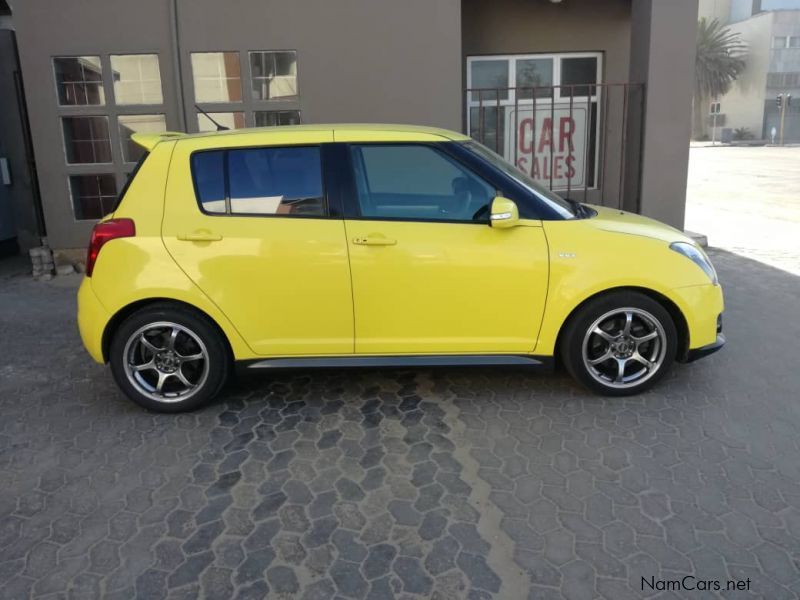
[210, 378]
[577, 329]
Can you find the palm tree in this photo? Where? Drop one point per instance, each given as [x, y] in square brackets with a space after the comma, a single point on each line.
[720, 59]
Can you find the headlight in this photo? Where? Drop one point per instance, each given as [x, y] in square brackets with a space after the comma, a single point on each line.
[697, 256]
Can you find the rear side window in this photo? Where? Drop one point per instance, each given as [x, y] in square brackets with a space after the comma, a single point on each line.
[282, 181]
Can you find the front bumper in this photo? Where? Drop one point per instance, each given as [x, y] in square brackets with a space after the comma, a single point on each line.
[698, 353]
[92, 320]
[701, 307]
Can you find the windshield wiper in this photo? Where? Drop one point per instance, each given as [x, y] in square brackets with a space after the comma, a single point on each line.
[577, 208]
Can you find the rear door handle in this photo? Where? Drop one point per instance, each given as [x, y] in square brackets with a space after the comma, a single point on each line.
[199, 236]
[374, 241]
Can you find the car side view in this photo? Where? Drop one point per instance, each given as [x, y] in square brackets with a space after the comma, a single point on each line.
[376, 245]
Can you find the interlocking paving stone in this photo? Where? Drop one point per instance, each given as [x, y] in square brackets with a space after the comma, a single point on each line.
[443, 483]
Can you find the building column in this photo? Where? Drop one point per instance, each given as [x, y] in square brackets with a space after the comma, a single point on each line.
[662, 57]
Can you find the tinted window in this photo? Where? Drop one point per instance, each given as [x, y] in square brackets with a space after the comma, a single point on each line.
[261, 181]
[417, 182]
[553, 200]
[279, 181]
[209, 180]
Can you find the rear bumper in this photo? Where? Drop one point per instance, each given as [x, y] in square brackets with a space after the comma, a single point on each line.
[92, 320]
[703, 351]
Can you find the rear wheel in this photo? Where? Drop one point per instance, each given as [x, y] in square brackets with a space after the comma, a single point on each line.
[169, 359]
[619, 344]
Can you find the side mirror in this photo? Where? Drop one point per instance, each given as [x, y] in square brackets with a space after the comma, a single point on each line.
[504, 213]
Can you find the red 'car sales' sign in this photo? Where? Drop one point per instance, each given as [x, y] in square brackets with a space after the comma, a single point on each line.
[548, 144]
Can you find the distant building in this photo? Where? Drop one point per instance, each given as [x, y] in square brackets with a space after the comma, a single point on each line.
[771, 30]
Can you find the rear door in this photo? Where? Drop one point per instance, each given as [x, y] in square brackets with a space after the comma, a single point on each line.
[252, 226]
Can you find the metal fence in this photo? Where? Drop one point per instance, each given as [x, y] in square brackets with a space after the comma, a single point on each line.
[582, 141]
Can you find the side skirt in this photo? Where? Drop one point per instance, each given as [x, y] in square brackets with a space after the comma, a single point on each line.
[455, 360]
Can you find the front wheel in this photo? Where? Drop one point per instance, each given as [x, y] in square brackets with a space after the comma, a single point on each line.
[169, 359]
[619, 344]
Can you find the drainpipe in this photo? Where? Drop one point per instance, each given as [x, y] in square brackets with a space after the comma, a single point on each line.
[176, 60]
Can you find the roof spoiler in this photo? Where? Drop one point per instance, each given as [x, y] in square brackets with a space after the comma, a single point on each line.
[148, 141]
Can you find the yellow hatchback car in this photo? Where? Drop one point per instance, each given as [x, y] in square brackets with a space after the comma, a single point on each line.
[376, 245]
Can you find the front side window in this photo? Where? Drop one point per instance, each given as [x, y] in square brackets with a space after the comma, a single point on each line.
[555, 201]
[281, 181]
[137, 79]
[417, 182]
[79, 80]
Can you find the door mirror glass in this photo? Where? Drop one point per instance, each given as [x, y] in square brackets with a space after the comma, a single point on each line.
[504, 213]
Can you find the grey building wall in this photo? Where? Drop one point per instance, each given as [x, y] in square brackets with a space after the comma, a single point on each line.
[94, 27]
[663, 53]
[358, 60]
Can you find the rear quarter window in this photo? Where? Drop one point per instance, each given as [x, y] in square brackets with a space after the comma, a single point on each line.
[130, 179]
[208, 171]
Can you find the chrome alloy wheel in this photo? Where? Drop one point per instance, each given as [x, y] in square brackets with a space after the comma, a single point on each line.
[165, 361]
[624, 347]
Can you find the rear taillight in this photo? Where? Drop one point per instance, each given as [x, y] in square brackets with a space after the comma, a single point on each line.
[105, 232]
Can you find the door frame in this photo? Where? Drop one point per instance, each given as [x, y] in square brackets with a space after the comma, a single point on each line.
[341, 182]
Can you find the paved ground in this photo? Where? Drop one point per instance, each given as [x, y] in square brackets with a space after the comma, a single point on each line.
[447, 483]
[747, 200]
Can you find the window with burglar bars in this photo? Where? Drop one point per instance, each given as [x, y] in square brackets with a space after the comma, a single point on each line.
[539, 111]
[100, 101]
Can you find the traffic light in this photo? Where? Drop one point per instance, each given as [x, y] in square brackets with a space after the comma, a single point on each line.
[788, 99]
[779, 100]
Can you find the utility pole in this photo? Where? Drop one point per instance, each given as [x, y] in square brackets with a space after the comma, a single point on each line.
[784, 101]
[715, 110]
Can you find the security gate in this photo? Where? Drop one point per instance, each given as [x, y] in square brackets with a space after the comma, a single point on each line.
[582, 141]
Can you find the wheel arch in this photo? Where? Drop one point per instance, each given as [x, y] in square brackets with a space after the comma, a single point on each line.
[675, 313]
[119, 317]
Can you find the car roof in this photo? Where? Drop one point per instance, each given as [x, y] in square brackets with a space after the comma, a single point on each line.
[342, 132]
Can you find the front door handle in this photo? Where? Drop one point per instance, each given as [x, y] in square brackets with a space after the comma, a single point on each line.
[374, 241]
[199, 236]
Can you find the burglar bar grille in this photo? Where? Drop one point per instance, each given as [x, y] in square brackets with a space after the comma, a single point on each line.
[582, 141]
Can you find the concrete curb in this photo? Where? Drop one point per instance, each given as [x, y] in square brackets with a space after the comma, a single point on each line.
[700, 238]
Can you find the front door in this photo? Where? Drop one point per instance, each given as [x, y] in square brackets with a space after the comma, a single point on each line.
[429, 275]
[253, 229]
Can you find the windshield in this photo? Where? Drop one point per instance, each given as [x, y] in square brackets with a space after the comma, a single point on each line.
[554, 200]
